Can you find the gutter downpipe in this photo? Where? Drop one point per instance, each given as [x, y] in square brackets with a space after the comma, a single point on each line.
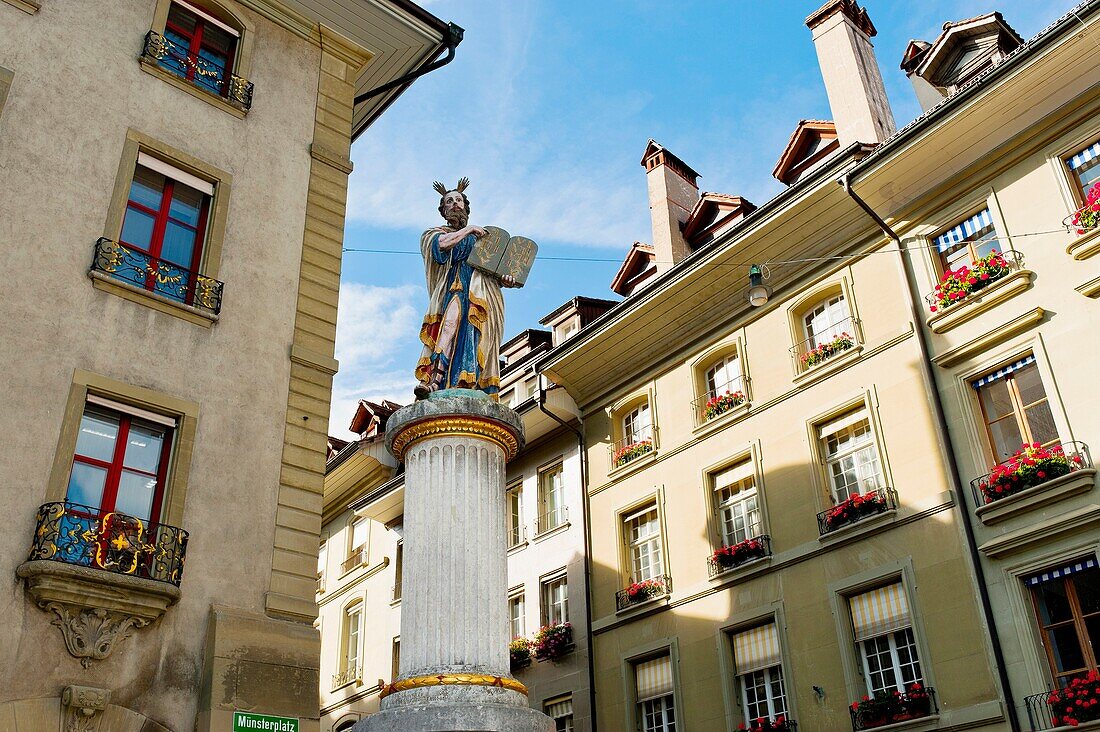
[581, 446]
[948, 451]
[451, 39]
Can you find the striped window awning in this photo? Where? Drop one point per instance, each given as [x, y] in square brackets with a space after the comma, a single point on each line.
[559, 708]
[1003, 372]
[880, 611]
[654, 678]
[964, 231]
[756, 648]
[1089, 153]
[1049, 575]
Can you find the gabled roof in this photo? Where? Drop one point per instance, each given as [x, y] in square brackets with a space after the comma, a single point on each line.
[639, 260]
[812, 141]
[938, 63]
[372, 416]
[914, 54]
[712, 213]
[590, 308]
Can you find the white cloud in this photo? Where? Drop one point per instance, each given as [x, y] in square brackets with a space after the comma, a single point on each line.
[375, 325]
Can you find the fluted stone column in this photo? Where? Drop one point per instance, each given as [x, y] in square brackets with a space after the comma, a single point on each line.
[454, 623]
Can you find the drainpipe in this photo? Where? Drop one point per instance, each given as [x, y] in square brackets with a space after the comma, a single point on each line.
[947, 449]
[579, 432]
[451, 41]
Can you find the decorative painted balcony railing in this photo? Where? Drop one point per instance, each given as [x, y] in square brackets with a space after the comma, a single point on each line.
[715, 403]
[735, 555]
[203, 73]
[893, 707]
[551, 520]
[352, 673]
[1032, 466]
[110, 541]
[856, 508]
[1076, 703]
[956, 286]
[170, 280]
[838, 338]
[639, 592]
[631, 448]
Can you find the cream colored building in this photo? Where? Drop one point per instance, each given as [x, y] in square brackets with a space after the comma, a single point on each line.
[359, 572]
[173, 178]
[733, 574]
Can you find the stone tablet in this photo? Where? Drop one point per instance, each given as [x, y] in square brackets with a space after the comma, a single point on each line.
[500, 254]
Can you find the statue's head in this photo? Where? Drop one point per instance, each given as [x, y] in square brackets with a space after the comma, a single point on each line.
[453, 204]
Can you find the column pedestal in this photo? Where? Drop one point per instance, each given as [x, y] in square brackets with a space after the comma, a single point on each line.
[454, 621]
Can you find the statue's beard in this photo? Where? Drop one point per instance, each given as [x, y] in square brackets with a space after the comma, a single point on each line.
[456, 218]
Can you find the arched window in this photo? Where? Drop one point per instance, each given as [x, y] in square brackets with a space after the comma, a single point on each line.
[826, 320]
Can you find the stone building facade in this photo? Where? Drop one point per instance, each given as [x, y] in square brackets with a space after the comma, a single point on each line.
[173, 178]
[781, 513]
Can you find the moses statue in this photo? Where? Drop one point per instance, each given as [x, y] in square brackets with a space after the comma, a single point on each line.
[466, 266]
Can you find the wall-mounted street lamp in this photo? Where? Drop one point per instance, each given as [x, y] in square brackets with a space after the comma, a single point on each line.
[758, 291]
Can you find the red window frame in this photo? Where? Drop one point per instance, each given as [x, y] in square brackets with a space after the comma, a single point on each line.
[196, 45]
[160, 224]
[115, 466]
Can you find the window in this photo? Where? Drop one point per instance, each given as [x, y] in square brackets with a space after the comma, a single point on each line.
[736, 503]
[825, 321]
[967, 241]
[398, 561]
[851, 455]
[552, 512]
[164, 227]
[200, 48]
[121, 460]
[759, 666]
[358, 534]
[643, 538]
[884, 636]
[723, 376]
[636, 425]
[531, 388]
[1067, 607]
[1015, 408]
[515, 515]
[654, 693]
[561, 711]
[395, 658]
[1085, 169]
[555, 601]
[353, 625]
[516, 615]
[322, 557]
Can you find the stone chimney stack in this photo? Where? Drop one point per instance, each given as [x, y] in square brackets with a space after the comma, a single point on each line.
[673, 192]
[842, 34]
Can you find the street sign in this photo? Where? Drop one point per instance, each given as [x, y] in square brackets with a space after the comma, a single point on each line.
[249, 722]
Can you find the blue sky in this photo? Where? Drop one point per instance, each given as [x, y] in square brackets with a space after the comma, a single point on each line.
[547, 109]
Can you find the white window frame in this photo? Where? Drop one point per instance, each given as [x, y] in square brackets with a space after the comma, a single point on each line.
[775, 705]
[637, 424]
[555, 609]
[514, 527]
[896, 664]
[663, 709]
[832, 311]
[732, 502]
[352, 635]
[517, 601]
[551, 498]
[853, 450]
[724, 375]
[647, 547]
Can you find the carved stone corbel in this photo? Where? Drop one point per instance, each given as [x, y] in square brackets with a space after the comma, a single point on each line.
[82, 705]
[91, 633]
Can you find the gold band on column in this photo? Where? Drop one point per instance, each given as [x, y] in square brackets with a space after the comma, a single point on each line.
[454, 426]
[421, 682]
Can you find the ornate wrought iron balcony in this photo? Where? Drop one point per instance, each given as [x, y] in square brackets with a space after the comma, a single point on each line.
[352, 673]
[738, 554]
[111, 541]
[839, 337]
[884, 709]
[1015, 474]
[1068, 706]
[715, 403]
[644, 591]
[201, 72]
[135, 267]
[855, 509]
[631, 448]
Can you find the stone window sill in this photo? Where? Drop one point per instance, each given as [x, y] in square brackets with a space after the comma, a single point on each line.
[1075, 483]
[932, 721]
[722, 420]
[741, 571]
[652, 602]
[1007, 287]
[632, 465]
[141, 296]
[829, 366]
[863, 526]
[515, 548]
[50, 581]
[1085, 245]
[345, 684]
[560, 528]
[192, 89]
[27, 6]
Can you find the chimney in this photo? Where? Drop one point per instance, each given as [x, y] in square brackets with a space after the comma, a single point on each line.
[673, 191]
[842, 34]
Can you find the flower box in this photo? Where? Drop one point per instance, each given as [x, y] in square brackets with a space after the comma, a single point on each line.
[734, 555]
[958, 284]
[1087, 217]
[824, 351]
[519, 653]
[854, 508]
[892, 707]
[1077, 702]
[763, 724]
[552, 642]
[630, 452]
[1032, 465]
[645, 590]
[722, 403]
